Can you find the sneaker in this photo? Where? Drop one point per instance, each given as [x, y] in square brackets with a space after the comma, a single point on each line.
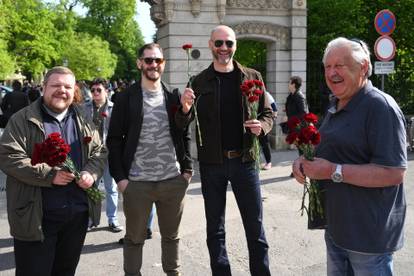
[267, 166]
[149, 234]
[115, 228]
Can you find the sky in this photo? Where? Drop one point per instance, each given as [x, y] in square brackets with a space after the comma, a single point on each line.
[143, 18]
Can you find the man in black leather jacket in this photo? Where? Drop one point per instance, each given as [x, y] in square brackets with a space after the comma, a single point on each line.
[225, 149]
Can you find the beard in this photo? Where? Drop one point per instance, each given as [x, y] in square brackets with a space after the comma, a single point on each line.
[151, 75]
[223, 60]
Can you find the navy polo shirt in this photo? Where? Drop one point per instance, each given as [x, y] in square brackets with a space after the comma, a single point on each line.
[369, 129]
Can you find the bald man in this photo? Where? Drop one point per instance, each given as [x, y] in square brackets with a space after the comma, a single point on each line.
[225, 151]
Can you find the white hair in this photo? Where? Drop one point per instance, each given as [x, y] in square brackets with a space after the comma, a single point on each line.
[359, 51]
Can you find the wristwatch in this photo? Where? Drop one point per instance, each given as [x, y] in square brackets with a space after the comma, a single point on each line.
[337, 174]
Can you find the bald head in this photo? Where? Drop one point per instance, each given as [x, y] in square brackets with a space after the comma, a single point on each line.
[223, 29]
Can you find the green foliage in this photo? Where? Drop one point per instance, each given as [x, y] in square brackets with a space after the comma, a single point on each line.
[113, 20]
[252, 54]
[89, 57]
[33, 40]
[328, 19]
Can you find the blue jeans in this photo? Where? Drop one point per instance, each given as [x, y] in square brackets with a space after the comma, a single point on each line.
[245, 183]
[111, 195]
[342, 262]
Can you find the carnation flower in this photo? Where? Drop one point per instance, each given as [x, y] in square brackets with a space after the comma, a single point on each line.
[251, 90]
[304, 134]
[54, 152]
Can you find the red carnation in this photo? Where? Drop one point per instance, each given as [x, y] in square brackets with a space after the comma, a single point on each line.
[253, 98]
[87, 139]
[187, 46]
[54, 152]
[292, 137]
[104, 114]
[310, 118]
[258, 92]
[306, 136]
[293, 123]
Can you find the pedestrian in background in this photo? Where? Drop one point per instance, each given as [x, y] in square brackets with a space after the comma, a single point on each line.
[99, 110]
[13, 102]
[296, 102]
[47, 207]
[264, 140]
[225, 150]
[149, 157]
[360, 162]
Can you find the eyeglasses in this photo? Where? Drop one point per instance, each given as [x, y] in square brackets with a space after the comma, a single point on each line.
[360, 42]
[99, 90]
[219, 43]
[149, 60]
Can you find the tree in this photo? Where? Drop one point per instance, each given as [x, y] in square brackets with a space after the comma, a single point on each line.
[355, 19]
[113, 21]
[89, 57]
[7, 63]
[32, 36]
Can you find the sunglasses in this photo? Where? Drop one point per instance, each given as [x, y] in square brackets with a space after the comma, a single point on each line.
[99, 90]
[219, 43]
[149, 60]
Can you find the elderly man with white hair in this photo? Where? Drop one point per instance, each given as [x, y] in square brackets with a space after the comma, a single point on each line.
[360, 162]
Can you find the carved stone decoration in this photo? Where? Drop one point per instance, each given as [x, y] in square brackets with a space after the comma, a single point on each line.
[258, 4]
[161, 11]
[168, 9]
[221, 10]
[299, 3]
[157, 15]
[278, 33]
[195, 7]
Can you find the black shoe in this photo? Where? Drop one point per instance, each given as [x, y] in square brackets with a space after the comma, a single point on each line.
[291, 175]
[115, 228]
[121, 241]
[149, 234]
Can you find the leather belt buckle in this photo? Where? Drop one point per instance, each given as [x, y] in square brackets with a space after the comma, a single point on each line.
[230, 154]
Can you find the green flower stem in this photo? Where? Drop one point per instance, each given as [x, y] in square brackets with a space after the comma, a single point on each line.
[310, 188]
[93, 192]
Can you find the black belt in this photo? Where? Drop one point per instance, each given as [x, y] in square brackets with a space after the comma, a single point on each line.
[230, 154]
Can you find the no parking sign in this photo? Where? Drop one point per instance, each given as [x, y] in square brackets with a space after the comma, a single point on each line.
[385, 22]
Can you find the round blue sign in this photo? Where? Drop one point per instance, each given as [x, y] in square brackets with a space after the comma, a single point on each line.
[385, 22]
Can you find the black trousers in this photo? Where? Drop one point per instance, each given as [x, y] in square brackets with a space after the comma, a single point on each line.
[264, 143]
[59, 253]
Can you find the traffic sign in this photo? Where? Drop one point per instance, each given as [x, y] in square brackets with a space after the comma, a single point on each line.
[383, 67]
[384, 48]
[385, 22]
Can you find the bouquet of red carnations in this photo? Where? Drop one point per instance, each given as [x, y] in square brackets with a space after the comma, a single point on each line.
[305, 136]
[252, 89]
[54, 152]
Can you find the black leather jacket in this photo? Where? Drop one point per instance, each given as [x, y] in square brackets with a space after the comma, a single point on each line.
[206, 89]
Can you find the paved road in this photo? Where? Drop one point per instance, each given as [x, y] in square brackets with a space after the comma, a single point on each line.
[294, 250]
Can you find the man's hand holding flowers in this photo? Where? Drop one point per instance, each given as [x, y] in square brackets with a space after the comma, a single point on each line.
[254, 125]
[187, 100]
[315, 169]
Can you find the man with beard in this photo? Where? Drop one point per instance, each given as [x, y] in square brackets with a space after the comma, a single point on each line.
[149, 158]
[225, 150]
[47, 207]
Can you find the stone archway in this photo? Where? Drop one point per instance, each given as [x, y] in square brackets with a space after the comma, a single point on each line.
[281, 24]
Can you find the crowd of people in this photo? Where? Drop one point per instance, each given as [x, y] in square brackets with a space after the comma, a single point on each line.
[139, 145]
